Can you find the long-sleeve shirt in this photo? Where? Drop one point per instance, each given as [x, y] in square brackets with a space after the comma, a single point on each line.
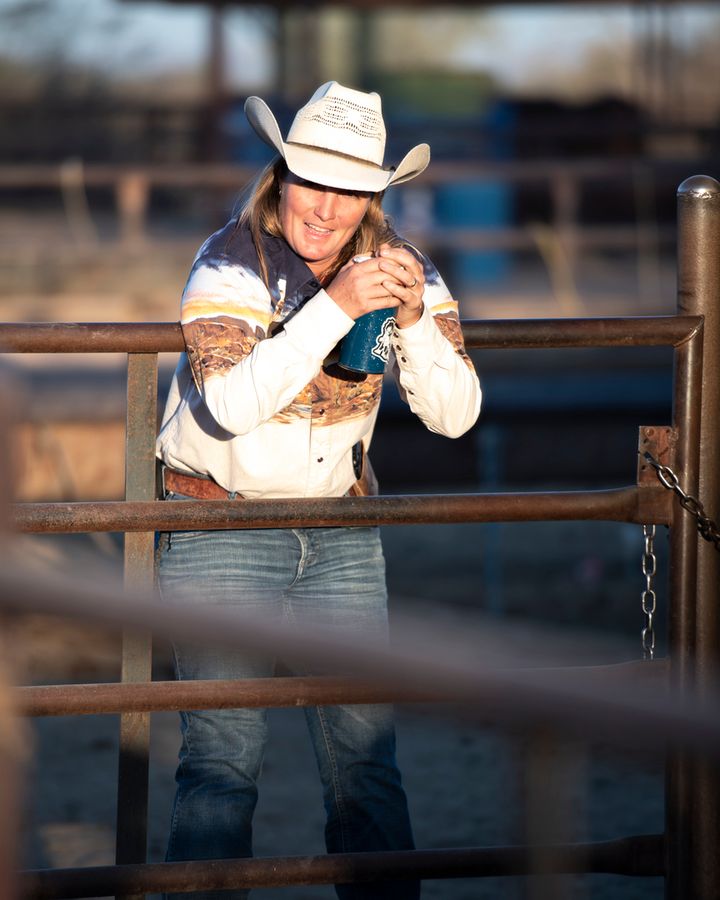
[259, 403]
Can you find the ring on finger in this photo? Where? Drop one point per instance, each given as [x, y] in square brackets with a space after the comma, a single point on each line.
[411, 286]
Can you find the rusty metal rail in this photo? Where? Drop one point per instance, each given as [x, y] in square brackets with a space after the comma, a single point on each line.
[518, 334]
[638, 856]
[691, 868]
[631, 504]
[324, 690]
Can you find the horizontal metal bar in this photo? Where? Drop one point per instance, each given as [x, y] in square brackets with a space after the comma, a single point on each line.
[532, 334]
[92, 699]
[638, 856]
[91, 337]
[631, 504]
[166, 337]
[519, 238]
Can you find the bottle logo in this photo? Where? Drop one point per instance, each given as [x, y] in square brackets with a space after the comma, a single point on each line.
[381, 350]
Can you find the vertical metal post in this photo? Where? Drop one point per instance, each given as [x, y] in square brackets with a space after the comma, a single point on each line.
[566, 201]
[553, 769]
[214, 146]
[364, 48]
[693, 859]
[132, 193]
[681, 619]
[139, 573]
[15, 736]
[280, 51]
[15, 739]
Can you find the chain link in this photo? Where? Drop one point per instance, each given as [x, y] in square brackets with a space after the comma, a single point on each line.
[707, 529]
[648, 598]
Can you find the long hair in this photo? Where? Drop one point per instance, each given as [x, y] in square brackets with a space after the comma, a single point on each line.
[260, 211]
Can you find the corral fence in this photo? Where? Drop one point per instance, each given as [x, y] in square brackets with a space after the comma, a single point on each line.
[562, 183]
[685, 854]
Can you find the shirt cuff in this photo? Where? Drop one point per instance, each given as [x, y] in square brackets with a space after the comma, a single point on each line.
[319, 325]
[421, 344]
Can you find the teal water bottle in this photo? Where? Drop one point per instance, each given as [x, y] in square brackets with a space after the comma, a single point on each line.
[366, 347]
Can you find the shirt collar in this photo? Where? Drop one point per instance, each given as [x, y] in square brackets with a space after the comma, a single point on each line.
[284, 263]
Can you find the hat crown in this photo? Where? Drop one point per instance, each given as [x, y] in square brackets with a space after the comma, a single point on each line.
[342, 120]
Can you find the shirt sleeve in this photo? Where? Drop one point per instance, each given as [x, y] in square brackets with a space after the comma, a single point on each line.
[435, 376]
[244, 372]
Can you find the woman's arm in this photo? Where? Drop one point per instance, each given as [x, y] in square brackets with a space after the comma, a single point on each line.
[244, 375]
[435, 375]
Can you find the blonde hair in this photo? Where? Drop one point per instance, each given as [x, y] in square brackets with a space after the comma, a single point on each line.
[260, 213]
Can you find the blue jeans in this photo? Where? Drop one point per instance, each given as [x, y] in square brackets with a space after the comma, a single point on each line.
[331, 576]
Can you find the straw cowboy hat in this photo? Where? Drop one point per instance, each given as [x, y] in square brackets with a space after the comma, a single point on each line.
[337, 139]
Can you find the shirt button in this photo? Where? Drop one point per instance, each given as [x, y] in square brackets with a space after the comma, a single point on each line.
[320, 458]
[402, 359]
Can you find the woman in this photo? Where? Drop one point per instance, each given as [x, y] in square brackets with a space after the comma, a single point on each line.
[259, 407]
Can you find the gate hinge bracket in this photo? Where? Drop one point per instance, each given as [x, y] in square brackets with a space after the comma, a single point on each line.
[661, 441]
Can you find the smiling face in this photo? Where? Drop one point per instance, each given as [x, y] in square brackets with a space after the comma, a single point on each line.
[318, 221]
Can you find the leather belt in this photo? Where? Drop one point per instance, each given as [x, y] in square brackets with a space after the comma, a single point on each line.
[195, 486]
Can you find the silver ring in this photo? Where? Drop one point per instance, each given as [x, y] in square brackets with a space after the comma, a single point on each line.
[411, 286]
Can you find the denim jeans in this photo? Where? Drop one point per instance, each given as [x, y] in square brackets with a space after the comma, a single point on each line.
[331, 576]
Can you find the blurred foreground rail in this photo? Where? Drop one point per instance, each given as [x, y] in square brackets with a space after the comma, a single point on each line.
[682, 717]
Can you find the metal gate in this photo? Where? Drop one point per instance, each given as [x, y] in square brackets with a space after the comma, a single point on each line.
[686, 854]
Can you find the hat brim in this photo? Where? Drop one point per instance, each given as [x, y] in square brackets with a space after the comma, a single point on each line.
[326, 167]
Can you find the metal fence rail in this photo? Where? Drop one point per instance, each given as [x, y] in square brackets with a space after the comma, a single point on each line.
[517, 334]
[630, 504]
[564, 181]
[692, 446]
[91, 699]
[639, 856]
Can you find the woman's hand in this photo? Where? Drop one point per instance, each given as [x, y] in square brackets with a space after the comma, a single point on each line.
[362, 287]
[394, 278]
[406, 283]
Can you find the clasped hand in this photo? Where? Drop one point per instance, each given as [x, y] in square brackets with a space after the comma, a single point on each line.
[393, 278]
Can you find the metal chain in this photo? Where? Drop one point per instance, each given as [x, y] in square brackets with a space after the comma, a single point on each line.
[705, 525]
[648, 598]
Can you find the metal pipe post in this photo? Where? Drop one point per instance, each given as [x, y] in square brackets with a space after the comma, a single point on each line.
[131, 844]
[694, 863]
[687, 394]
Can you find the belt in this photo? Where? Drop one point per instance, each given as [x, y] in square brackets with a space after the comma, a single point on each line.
[195, 486]
[201, 488]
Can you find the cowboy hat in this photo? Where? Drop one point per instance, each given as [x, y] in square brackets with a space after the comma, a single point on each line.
[337, 139]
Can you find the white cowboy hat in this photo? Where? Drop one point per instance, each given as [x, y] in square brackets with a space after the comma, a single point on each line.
[337, 139]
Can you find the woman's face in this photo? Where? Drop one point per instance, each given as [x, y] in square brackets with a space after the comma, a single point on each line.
[318, 221]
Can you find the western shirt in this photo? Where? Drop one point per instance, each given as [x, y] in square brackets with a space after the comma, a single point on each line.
[258, 401]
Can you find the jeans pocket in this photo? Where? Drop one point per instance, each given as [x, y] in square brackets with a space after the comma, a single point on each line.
[178, 537]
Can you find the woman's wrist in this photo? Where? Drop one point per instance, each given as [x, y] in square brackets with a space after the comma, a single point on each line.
[405, 318]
